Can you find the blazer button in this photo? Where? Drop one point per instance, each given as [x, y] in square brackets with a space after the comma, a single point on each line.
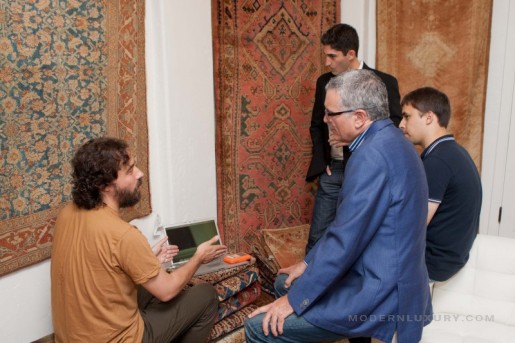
[305, 303]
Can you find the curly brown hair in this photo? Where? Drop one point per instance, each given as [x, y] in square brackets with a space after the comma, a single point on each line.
[95, 166]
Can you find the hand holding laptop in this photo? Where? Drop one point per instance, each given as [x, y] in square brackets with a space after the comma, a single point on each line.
[208, 251]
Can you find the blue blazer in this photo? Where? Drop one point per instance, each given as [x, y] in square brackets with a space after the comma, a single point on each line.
[367, 275]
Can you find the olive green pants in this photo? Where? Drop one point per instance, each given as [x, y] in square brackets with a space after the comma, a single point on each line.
[189, 317]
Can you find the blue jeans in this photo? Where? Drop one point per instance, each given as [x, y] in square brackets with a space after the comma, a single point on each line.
[295, 329]
[279, 287]
[325, 202]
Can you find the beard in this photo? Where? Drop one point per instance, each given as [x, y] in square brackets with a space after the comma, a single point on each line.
[127, 198]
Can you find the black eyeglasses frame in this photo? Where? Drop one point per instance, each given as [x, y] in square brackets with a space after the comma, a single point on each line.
[332, 114]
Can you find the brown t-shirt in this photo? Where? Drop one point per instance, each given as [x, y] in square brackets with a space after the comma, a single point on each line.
[97, 261]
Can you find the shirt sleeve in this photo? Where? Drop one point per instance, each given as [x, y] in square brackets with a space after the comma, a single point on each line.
[136, 258]
[438, 177]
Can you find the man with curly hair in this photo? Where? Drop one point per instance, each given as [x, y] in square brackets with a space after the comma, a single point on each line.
[107, 283]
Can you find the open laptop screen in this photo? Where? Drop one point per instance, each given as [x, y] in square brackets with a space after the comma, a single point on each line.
[188, 237]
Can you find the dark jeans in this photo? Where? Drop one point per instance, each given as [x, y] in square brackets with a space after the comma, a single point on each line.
[325, 202]
[189, 317]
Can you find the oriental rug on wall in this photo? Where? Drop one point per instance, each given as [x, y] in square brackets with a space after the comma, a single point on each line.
[442, 44]
[69, 71]
[267, 57]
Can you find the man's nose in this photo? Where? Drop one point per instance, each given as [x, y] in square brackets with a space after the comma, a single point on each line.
[326, 119]
[139, 173]
[327, 61]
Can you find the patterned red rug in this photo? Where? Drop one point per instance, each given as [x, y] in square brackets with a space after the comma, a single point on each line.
[267, 57]
[68, 72]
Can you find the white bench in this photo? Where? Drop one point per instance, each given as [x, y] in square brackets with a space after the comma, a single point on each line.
[477, 305]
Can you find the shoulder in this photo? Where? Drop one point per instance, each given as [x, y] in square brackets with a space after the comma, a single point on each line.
[324, 78]
[67, 210]
[443, 159]
[107, 222]
[132, 234]
[388, 142]
[387, 78]
[395, 150]
[449, 151]
[450, 154]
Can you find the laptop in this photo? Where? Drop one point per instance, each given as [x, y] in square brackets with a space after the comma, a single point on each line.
[188, 237]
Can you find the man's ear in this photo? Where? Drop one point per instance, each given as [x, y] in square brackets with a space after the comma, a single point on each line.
[360, 118]
[431, 117]
[351, 54]
[107, 189]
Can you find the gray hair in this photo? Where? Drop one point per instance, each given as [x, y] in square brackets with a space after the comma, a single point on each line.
[361, 89]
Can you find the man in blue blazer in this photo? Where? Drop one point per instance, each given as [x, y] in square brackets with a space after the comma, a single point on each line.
[366, 276]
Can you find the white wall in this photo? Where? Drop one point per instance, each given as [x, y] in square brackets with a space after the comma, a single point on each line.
[181, 113]
[362, 16]
[181, 134]
[498, 162]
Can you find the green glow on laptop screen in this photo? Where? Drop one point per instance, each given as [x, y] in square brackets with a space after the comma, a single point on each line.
[188, 237]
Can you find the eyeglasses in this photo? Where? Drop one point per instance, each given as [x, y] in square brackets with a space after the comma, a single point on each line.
[332, 114]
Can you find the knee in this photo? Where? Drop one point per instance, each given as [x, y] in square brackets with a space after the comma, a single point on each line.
[207, 292]
[253, 330]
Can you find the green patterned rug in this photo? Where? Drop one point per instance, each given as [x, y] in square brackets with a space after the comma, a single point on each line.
[69, 71]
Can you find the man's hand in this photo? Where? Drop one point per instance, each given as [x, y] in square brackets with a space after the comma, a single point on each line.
[276, 313]
[163, 251]
[335, 139]
[293, 272]
[208, 251]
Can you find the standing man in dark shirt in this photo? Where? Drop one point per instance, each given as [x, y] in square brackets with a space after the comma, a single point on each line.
[454, 183]
[340, 45]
